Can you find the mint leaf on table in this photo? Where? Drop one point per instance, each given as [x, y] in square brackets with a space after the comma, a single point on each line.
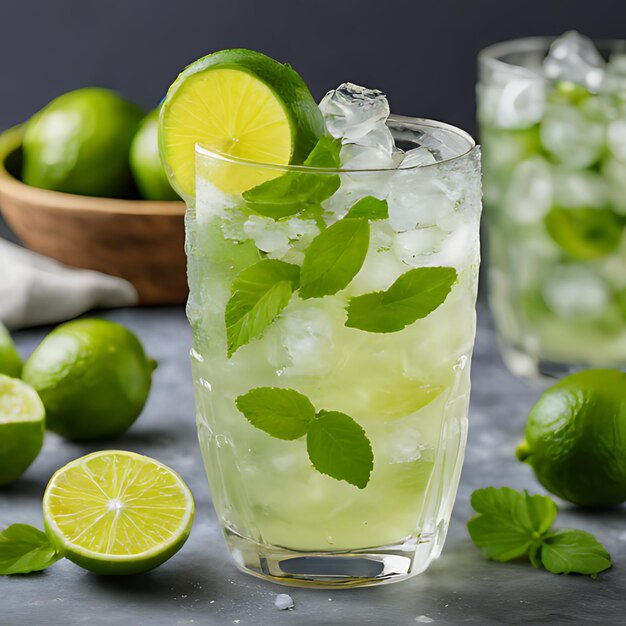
[574, 552]
[505, 528]
[334, 258]
[281, 413]
[413, 296]
[339, 448]
[258, 294]
[294, 192]
[511, 524]
[25, 549]
[370, 208]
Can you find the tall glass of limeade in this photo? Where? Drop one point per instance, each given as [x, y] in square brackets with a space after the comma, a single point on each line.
[357, 316]
[552, 116]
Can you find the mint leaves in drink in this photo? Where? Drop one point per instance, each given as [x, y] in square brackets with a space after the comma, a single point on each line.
[334, 258]
[414, 295]
[339, 448]
[25, 549]
[336, 444]
[258, 294]
[281, 413]
[511, 524]
[295, 191]
[370, 208]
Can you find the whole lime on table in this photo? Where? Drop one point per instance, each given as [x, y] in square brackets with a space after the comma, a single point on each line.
[145, 161]
[93, 377]
[242, 104]
[576, 438]
[117, 512]
[22, 427]
[79, 144]
[10, 361]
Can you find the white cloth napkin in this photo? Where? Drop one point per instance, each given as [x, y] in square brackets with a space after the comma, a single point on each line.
[36, 290]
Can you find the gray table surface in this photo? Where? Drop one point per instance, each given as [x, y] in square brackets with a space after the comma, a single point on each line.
[201, 586]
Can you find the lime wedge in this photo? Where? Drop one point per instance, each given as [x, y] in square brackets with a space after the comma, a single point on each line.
[239, 103]
[22, 427]
[117, 512]
[10, 362]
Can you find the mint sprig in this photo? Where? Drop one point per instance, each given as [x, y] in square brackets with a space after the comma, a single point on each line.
[258, 294]
[295, 192]
[511, 524]
[337, 446]
[414, 295]
[370, 208]
[25, 549]
[334, 258]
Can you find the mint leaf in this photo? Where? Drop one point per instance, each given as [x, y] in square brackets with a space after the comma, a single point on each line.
[510, 524]
[281, 413]
[334, 258]
[293, 192]
[339, 448]
[370, 208]
[259, 293]
[25, 549]
[574, 552]
[414, 295]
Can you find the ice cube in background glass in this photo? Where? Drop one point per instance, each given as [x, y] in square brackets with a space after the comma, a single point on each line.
[616, 138]
[352, 111]
[614, 173]
[528, 196]
[512, 98]
[614, 80]
[575, 140]
[574, 57]
[579, 189]
[575, 291]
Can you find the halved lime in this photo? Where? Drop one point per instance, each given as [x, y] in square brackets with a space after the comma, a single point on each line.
[22, 427]
[239, 103]
[117, 512]
[10, 361]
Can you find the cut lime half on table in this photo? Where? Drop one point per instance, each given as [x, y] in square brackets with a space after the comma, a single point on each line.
[22, 427]
[117, 512]
[10, 361]
[242, 104]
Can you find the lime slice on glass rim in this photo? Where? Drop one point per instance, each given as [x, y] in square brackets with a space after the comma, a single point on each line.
[22, 427]
[242, 104]
[117, 512]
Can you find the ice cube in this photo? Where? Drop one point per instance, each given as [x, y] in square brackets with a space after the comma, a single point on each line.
[576, 140]
[614, 173]
[528, 196]
[616, 137]
[419, 196]
[352, 111]
[511, 99]
[417, 157]
[574, 57]
[280, 238]
[284, 602]
[579, 189]
[575, 291]
[415, 246]
[615, 74]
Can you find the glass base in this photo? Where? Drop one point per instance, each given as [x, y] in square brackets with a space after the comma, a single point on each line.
[526, 365]
[358, 568]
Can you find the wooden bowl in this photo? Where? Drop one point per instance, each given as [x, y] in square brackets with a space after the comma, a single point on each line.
[140, 240]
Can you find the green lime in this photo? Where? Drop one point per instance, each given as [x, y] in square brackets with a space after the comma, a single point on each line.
[79, 144]
[576, 438]
[239, 103]
[10, 361]
[93, 377]
[584, 232]
[145, 161]
[117, 512]
[22, 426]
